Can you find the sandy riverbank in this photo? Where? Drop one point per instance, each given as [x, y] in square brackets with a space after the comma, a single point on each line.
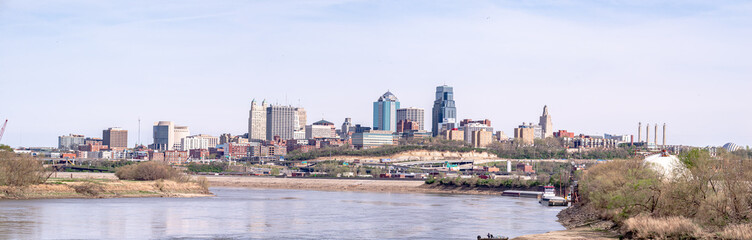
[101, 185]
[571, 234]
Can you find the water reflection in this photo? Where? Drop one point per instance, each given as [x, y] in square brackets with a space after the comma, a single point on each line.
[260, 214]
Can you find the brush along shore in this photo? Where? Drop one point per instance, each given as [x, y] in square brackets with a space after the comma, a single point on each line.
[55, 188]
[24, 177]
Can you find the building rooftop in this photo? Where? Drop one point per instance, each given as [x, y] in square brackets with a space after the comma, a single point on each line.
[323, 122]
[388, 96]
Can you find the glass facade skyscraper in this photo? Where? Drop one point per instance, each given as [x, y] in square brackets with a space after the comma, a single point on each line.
[444, 111]
[385, 112]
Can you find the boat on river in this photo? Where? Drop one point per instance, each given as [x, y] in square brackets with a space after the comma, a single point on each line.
[518, 193]
[491, 237]
[549, 198]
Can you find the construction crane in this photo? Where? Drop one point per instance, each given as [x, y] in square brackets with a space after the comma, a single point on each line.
[3, 130]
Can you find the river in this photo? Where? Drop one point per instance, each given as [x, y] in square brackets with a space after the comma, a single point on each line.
[239, 213]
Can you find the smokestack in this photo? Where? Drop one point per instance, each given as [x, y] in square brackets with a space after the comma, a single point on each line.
[664, 135]
[639, 131]
[655, 137]
[647, 134]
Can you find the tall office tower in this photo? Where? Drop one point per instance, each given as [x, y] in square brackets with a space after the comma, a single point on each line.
[345, 131]
[116, 138]
[164, 135]
[545, 123]
[180, 133]
[416, 115]
[385, 112]
[301, 118]
[281, 121]
[257, 121]
[444, 111]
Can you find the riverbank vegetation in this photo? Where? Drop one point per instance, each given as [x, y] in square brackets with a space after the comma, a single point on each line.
[19, 170]
[711, 199]
[548, 173]
[551, 148]
[213, 167]
[99, 165]
[24, 177]
[156, 171]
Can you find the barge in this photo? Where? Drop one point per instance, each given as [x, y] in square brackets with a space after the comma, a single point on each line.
[549, 198]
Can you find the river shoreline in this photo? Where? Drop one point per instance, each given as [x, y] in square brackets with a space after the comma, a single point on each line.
[101, 185]
[138, 189]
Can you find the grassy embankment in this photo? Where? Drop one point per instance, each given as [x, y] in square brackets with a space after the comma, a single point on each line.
[24, 177]
[710, 199]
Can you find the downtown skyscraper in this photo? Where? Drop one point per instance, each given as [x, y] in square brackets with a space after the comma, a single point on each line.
[444, 111]
[257, 121]
[385, 112]
[285, 122]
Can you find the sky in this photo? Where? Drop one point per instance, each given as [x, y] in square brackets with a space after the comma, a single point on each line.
[600, 66]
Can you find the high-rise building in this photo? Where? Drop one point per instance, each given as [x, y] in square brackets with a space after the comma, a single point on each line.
[415, 115]
[320, 129]
[346, 128]
[385, 112]
[545, 123]
[164, 135]
[282, 121]
[407, 125]
[371, 139]
[257, 121]
[444, 111]
[167, 136]
[116, 138]
[453, 135]
[70, 142]
[201, 141]
[525, 134]
[470, 128]
[481, 138]
[181, 132]
[301, 118]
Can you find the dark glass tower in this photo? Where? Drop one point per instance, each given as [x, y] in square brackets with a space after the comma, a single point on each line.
[444, 111]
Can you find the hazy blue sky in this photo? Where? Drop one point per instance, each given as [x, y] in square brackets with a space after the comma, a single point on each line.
[600, 66]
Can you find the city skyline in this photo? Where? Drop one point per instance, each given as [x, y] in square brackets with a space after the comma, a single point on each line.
[595, 77]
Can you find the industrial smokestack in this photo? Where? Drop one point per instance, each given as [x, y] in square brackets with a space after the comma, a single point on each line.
[655, 137]
[664, 134]
[647, 134]
[639, 131]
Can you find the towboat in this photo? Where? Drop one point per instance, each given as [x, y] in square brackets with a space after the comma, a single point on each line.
[549, 198]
